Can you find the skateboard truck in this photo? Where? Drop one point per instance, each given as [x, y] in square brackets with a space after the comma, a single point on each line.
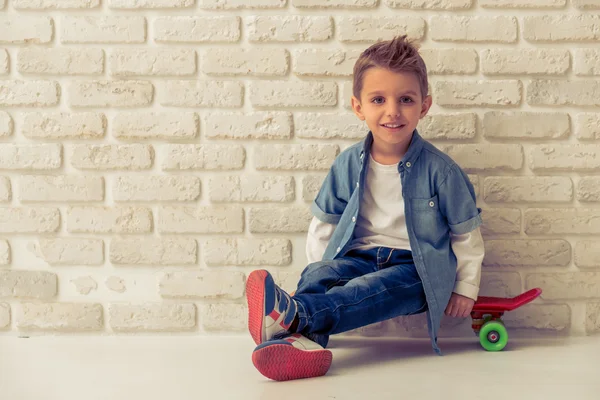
[487, 317]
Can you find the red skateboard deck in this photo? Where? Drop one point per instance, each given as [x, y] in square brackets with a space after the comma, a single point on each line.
[501, 304]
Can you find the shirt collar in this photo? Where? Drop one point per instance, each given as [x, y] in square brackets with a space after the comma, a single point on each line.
[413, 152]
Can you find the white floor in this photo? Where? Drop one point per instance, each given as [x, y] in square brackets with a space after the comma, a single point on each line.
[215, 368]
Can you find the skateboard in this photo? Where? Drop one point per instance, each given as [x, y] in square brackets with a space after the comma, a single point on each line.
[487, 317]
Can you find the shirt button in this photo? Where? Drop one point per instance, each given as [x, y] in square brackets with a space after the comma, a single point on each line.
[408, 164]
[353, 219]
[431, 204]
[338, 249]
[356, 184]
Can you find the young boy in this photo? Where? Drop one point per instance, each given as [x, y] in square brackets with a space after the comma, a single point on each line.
[395, 230]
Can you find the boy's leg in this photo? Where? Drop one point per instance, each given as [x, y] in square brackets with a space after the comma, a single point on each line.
[394, 289]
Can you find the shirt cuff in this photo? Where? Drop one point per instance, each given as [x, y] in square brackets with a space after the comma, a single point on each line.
[467, 226]
[323, 216]
[466, 289]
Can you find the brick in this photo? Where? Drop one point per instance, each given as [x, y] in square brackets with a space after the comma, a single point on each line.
[140, 4]
[123, 220]
[178, 157]
[525, 61]
[497, 93]
[240, 4]
[110, 93]
[156, 125]
[535, 253]
[153, 251]
[450, 61]
[26, 30]
[587, 4]
[474, 179]
[561, 28]
[311, 184]
[2, 4]
[329, 126]
[6, 124]
[451, 126]
[587, 126]
[493, 29]
[428, 5]
[500, 284]
[30, 156]
[544, 317]
[152, 317]
[61, 188]
[209, 219]
[592, 320]
[587, 254]
[5, 252]
[528, 189]
[254, 252]
[5, 189]
[62, 317]
[156, 188]
[588, 189]
[104, 29]
[566, 286]
[293, 219]
[112, 157]
[60, 61]
[202, 284]
[293, 28]
[84, 125]
[554, 92]
[522, 3]
[374, 29]
[549, 221]
[153, 62]
[349, 4]
[4, 307]
[293, 94]
[29, 93]
[54, 4]
[252, 188]
[346, 95]
[197, 29]
[29, 220]
[255, 125]
[221, 94]
[324, 62]
[526, 125]
[28, 284]
[575, 157]
[4, 62]
[586, 62]
[69, 251]
[224, 317]
[481, 157]
[246, 62]
[295, 156]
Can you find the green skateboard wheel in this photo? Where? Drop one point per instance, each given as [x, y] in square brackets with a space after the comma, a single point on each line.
[493, 336]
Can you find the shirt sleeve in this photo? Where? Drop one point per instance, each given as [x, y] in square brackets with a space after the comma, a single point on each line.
[331, 201]
[319, 233]
[469, 250]
[458, 203]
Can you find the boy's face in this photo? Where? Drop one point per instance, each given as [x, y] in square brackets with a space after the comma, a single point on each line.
[392, 105]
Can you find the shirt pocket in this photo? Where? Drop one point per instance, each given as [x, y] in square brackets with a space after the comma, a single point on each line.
[428, 222]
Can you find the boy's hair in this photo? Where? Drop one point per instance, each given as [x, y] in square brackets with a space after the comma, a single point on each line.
[397, 55]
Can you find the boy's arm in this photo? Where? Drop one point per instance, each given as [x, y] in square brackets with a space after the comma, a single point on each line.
[469, 251]
[319, 233]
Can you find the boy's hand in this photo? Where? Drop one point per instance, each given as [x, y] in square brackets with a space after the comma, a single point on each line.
[459, 306]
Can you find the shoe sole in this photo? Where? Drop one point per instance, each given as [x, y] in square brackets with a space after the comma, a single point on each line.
[255, 296]
[282, 362]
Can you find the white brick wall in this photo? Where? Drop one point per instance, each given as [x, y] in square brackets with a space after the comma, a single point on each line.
[154, 152]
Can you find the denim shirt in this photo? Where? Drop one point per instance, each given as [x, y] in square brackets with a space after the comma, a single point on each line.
[438, 199]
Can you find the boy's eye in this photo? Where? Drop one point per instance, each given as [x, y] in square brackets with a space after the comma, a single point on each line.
[405, 98]
[377, 100]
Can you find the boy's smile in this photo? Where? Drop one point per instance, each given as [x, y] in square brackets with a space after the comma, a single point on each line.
[392, 105]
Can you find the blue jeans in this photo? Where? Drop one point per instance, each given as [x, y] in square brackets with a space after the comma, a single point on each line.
[361, 288]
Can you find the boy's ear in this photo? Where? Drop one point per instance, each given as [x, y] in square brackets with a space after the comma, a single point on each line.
[357, 108]
[426, 106]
